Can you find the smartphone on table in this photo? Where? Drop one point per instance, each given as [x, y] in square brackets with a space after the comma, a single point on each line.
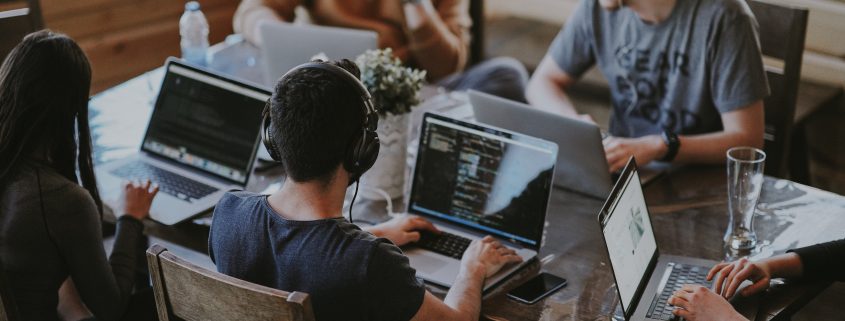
[537, 288]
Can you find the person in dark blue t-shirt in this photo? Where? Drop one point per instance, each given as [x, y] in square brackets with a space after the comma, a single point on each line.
[297, 240]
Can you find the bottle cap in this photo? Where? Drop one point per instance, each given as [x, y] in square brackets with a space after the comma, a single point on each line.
[192, 6]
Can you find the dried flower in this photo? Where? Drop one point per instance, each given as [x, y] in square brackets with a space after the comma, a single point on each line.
[394, 87]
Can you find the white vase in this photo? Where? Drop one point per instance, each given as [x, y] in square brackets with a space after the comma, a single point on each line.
[388, 173]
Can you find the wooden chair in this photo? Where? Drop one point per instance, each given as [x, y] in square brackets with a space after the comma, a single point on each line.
[16, 22]
[782, 33]
[476, 45]
[184, 291]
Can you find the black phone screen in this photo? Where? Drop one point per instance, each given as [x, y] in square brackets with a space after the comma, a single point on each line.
[537, 288]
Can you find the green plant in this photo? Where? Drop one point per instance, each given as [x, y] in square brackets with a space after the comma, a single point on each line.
[394, 87]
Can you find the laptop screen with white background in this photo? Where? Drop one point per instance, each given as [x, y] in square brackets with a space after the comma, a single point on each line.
[630, 239]
[485, 179]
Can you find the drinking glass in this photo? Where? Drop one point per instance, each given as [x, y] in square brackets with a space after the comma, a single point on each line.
[745, 180]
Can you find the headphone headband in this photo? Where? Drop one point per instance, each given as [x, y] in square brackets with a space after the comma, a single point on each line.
[369, 107]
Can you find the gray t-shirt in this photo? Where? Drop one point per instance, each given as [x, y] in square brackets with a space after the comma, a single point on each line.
[678, 75]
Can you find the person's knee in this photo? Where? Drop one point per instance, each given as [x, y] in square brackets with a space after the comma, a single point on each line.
[506, 67]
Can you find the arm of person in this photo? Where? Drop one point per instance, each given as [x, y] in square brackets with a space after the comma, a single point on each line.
[482, 259]
[742, 127]
[103, 286]
[402, 229]
[825, 261]
[438, 35]
[569, 56]
[251, 13]
[547, 89]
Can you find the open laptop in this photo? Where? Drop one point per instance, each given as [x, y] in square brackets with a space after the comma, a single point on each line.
[201, 142]
[644, 279]
[581, 162]
[286, 45]
[470, 181]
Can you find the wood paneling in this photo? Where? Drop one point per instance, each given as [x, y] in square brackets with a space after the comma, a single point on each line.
[124, 38]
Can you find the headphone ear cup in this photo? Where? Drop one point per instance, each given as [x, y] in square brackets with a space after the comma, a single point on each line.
[267, 138]
[369, 150]
[362, 154]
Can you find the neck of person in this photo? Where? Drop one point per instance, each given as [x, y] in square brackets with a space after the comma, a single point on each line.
[652, 11]
[311, 200]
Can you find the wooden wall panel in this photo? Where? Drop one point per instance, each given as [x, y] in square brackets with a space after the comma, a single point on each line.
[124, 38]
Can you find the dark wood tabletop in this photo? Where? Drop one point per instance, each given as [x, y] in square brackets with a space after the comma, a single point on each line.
[688, 208]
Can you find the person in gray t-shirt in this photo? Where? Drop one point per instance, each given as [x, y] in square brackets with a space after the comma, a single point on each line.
[686, 77]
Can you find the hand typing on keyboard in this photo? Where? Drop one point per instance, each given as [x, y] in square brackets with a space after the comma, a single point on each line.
[136, 199]
[698, 303]
[403, 229]
[487, 256]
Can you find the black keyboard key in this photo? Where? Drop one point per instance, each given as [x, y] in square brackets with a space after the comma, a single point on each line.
[169, 182]
[444, 243]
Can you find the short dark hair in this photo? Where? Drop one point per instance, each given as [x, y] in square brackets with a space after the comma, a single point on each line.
[315, 114]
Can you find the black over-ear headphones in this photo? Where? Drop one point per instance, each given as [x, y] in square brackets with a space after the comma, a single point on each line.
[361, 154]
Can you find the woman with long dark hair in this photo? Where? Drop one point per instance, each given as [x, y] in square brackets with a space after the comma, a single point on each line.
[50, 209]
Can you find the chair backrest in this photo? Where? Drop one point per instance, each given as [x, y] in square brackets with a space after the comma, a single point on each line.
[184, 291]
[782, 33]
[476, 44]
[18, 20]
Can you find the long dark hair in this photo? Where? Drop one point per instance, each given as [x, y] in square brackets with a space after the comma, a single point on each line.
[44, 85]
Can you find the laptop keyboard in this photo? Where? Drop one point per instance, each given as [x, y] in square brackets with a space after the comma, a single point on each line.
[169, 182]
[681, 274]
[444, 243]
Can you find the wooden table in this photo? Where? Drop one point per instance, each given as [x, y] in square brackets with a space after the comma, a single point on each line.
[688, 208]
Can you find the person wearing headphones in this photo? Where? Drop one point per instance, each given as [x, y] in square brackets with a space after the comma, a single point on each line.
[824, 261]
[320, 124]
[51, 242]
[432, 35]
[686, 77]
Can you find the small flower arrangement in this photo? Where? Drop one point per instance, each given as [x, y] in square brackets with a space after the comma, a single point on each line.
[394, 87]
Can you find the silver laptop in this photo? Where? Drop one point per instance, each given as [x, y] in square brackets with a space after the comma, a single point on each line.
[470, 181]
[581, 162]
[286, 45]
[201, 142]
[644, 279]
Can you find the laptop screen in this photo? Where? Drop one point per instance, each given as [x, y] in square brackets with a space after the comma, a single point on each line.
[630, 240]
[486, 179]
[206, 122]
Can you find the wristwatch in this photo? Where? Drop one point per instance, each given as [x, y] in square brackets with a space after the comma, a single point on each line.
[673, 143]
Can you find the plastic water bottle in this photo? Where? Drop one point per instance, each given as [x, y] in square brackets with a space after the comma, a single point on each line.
[193, 27]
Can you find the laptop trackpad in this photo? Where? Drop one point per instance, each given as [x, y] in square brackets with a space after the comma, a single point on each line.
[426, 262]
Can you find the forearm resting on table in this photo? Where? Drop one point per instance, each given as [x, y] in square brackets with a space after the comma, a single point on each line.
[462, 303]
[547, 89]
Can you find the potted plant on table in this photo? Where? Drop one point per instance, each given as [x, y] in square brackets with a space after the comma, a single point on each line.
[395, 91]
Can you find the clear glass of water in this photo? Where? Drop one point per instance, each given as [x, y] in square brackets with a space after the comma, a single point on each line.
[745, 180]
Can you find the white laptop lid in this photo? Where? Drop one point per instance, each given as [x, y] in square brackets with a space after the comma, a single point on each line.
[483, 179]
[286, 45]
[581, 162]
[207, 122]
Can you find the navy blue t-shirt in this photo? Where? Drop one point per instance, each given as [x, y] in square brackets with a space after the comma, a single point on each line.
[350, 274]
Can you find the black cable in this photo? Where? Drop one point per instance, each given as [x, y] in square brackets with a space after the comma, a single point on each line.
[353, 201]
